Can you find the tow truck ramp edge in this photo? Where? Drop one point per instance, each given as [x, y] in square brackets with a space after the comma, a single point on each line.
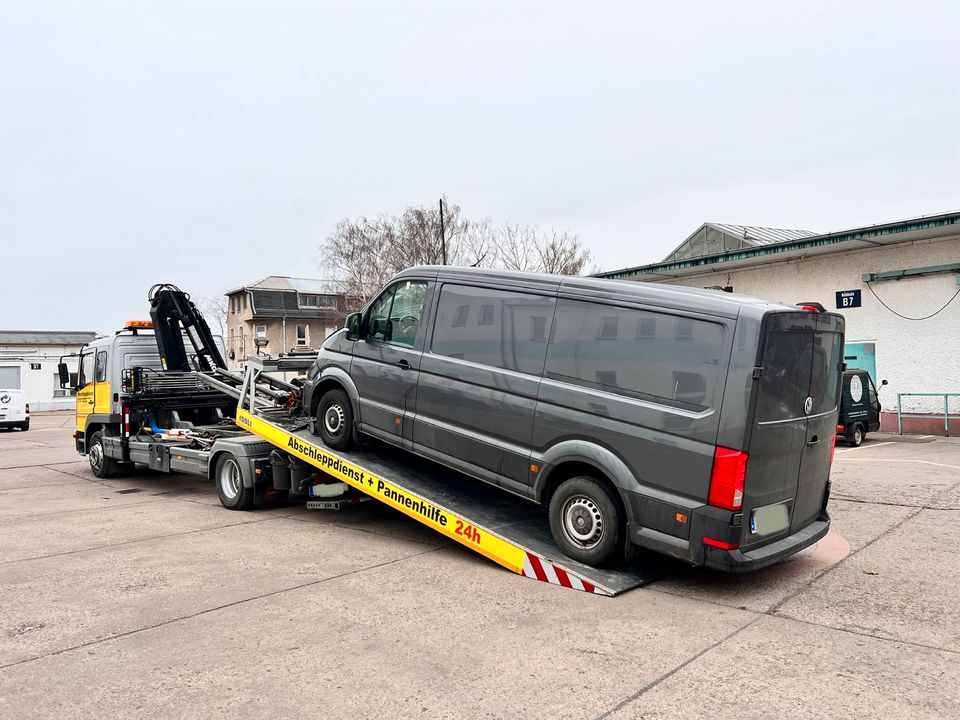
[508, 552]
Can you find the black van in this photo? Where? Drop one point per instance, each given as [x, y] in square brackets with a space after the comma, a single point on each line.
[695, 423]
[859, 406]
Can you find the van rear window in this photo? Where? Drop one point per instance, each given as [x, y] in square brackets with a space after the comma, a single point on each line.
[797, 365]
[637, 352]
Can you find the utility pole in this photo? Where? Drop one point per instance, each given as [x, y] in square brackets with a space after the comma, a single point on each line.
[443, 235]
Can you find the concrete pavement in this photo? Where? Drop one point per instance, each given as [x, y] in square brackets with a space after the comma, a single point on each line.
[140, 597]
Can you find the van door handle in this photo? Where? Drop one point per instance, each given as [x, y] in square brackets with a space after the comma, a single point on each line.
[813, 441]
[404, 364]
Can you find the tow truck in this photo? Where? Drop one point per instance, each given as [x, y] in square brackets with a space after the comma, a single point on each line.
[158, 394]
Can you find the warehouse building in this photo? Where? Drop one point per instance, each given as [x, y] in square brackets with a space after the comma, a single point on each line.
[897, 284]
[28, 362]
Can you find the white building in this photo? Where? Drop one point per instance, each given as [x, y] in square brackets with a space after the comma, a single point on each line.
[28, 361]
[897, 284]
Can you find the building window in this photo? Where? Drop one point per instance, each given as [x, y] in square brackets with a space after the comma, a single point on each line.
[460, 319]
[609, 328]
[316, 301]
[486, 315]
[243, 299]
[260, 331]
[301, 335]
[67, 391]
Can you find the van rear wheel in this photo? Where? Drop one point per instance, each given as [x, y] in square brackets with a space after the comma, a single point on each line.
[585, 521]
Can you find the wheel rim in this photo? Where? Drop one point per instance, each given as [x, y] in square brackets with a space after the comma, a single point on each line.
[230, 479]
[857, 436]
[96, 457]
[582, 522]
[333, 419]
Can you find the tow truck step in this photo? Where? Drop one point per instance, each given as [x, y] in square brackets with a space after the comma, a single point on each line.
[510, 531]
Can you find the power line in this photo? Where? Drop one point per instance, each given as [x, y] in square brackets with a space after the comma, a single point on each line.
[905, 317]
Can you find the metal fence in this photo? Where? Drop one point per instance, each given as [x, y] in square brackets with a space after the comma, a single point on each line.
[926, 416]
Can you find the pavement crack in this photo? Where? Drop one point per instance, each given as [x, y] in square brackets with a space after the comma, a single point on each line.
[206, 611]
[774, 609]
[649, 686]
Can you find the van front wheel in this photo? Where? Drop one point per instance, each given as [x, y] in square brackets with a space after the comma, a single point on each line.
[585, 522]
[335, 419]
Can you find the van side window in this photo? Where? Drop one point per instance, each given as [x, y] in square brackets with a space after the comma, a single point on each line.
[395, 316]
[645, 360]
[101, 367]
[499, 328]
[379, 315]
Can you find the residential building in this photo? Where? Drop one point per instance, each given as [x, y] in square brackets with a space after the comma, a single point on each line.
[289, 314]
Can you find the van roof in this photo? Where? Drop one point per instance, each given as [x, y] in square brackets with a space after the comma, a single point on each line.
[678, 296]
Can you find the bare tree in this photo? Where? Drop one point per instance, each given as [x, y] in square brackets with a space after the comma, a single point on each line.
[214, 310]
[363, 254]
[562, 254]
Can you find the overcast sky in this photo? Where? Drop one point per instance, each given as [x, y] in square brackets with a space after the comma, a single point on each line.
[209, 144]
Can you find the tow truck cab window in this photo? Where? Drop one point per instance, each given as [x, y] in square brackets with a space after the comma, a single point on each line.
[100, 368]
[86, 370]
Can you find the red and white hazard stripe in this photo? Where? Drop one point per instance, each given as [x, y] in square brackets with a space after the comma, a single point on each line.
[538, 568]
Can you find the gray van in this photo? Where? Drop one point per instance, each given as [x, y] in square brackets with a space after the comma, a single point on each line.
[695, 423]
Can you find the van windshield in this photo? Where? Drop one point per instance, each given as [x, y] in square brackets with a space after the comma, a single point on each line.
[797, 365]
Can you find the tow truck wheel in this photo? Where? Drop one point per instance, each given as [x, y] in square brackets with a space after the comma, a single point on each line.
[230, 489]
[856, 435]
[335, 419]
[585, 522]
[101, 465]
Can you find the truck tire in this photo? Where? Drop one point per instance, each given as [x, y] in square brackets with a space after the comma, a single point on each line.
[101, 465]
[229, 480]
[585, 521]
[335, 419]
[25, 426]
[856, 435]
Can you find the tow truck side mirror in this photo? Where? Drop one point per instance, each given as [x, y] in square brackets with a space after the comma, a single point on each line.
[64, 372]
[353, 326]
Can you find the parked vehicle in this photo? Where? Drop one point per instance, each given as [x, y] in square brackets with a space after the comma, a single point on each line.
[859, 406]
[14, 410]
[694, 423]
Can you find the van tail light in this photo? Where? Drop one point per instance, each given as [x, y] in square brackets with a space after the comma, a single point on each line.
[833, 448]
[840, 429]
[726, 480]
[28, 409]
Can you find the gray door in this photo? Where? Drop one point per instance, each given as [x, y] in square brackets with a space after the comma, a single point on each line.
[386, 363]
[795, 420]
[826, 356]
[479, 380]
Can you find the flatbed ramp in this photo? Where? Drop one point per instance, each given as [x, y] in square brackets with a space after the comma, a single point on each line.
[505, 529]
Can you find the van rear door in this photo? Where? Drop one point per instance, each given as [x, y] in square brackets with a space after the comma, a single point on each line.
[794, 424]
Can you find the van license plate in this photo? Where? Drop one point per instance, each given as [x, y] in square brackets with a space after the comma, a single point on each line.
[770, 519]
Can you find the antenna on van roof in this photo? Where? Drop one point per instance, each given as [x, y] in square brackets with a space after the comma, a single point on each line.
[443, 235]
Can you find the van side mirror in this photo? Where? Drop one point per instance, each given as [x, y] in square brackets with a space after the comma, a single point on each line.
[64, 372]
[883, 382]
[353, 326]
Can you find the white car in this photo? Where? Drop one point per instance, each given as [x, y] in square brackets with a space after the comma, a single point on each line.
[14, 410]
